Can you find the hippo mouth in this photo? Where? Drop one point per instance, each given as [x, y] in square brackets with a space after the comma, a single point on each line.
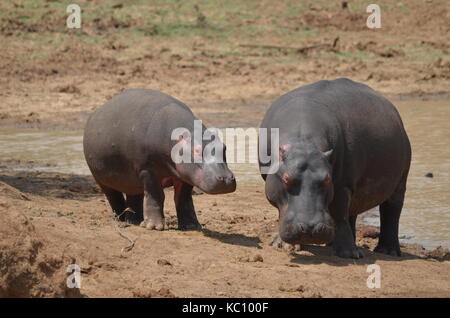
[320, 233]
[214, 183]
[218, 187]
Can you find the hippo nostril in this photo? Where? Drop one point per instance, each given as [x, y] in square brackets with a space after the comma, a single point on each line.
[303, 228]
[225, 178]
[230, 179]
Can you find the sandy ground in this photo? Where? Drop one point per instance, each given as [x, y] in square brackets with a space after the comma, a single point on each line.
[62, 219]
[227, 70]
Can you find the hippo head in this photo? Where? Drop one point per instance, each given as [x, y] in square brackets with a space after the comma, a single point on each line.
[302, 189]
[206, 166]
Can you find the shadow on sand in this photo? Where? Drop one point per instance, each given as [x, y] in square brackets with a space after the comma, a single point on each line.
[49, 184]
[234, 239]
[324, 254]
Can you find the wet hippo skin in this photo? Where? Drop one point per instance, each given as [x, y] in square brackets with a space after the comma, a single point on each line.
[343, 150]
[127, 145]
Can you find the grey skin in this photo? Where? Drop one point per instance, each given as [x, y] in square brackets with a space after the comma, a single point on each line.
[127, 145]
[343, 151]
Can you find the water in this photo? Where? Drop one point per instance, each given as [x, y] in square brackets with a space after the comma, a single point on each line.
[426, 215]
[57, 151]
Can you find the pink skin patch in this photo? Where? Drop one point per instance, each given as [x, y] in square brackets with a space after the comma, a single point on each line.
[283, 149]
[167, 182]
[327, 180]
[286, 179]
[197, 152]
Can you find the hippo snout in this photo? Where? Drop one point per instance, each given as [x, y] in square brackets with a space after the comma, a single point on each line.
[226, 179]
[217, 183]
[304, 233]
[223, 184]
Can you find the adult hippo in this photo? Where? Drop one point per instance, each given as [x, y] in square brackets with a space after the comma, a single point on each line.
[342, 151]
[128, 145]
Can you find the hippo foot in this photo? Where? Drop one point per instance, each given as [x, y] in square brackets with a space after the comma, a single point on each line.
[191, 226]
[187, 220]
[388, 250]
[150, 224]
[130, 216]
[278, 243]
[348, 252]
[134, 219]
[189, 223]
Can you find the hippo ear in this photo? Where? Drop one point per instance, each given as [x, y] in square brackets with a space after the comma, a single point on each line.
[283, 150]
[328, 153]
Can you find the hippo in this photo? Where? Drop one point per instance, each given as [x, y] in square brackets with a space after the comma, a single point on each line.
[128, 145]
[342, 150]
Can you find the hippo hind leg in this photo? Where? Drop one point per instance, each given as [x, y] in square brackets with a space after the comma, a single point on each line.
[352, 221]
[153, 204]
[187, 219]
[389, 218]
[135, 205]
[116, 201]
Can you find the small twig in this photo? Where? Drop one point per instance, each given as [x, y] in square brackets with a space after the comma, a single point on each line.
[129, 247]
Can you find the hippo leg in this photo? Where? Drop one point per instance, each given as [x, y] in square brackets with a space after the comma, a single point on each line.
[153, 202]
[352, 221]
[389, 216]
[278, 243]
[116, 201]
[135, 204]
[344, 242]
[187, 219]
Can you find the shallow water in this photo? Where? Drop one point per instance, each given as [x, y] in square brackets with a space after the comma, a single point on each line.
[426, 214]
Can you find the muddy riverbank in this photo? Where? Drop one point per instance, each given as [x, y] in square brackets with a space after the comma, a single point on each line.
[425, 219]
[63, 219]
[227, 62]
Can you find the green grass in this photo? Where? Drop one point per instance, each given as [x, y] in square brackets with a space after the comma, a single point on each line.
[228, 24]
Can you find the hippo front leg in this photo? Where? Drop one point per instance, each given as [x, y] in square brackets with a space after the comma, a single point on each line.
[153, 202]
[344, 240]
[187, 219]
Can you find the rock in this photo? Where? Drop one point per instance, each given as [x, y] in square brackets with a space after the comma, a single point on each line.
[252, 259]
[257, 258]
[163, 262]
[438, 253]
[369, 232]
[163, 292]
[69, 89]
